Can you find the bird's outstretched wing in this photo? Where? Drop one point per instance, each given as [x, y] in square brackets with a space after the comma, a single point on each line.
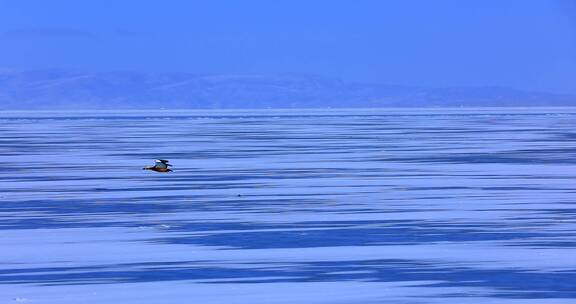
[161, 164]
[165, 162]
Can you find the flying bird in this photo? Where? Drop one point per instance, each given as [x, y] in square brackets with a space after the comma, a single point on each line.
[160, 166]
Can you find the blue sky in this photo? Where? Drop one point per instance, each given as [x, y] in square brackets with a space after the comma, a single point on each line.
[527, 44]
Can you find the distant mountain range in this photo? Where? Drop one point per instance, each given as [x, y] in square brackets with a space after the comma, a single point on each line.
[66, 89]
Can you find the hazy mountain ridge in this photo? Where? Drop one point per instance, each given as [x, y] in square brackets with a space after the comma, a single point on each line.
[65, 89]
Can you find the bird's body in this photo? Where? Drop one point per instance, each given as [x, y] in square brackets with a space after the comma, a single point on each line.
[160, 166]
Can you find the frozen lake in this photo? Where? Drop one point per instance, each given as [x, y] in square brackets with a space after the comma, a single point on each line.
[334, 206]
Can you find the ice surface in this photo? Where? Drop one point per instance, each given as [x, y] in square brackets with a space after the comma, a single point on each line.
[347, 206]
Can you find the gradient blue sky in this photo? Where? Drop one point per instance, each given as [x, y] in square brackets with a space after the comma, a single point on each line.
[527, 44]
